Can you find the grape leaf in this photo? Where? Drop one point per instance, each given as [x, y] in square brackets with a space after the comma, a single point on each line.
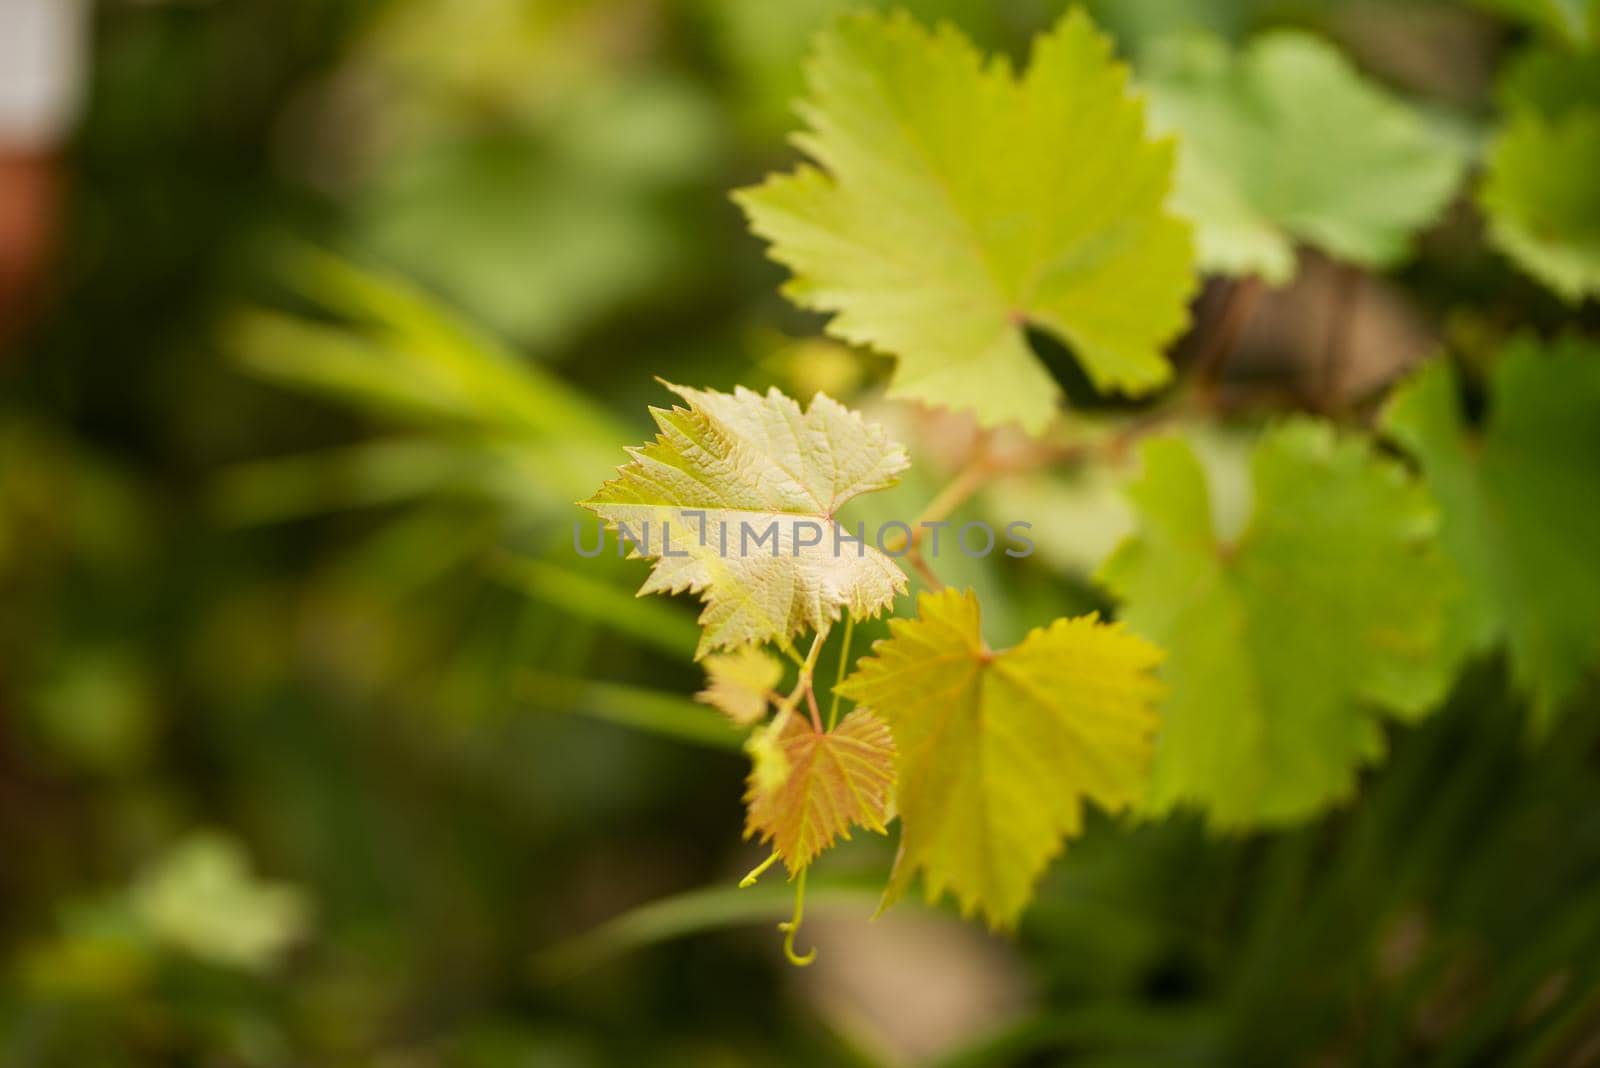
[703, 497]
[1521, 506]
[763, 46]
[1287, 645]
[1539, 192]
[737, 683]
[1287, 142]
[829, 782]
[1543, 200]
[954, 204]
[999, 750]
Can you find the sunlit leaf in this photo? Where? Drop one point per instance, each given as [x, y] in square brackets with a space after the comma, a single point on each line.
[999, 749]
[953, 204]
[732, 467]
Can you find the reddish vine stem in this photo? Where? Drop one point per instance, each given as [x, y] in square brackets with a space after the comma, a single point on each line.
[844, 665]
[983, 467]
[960, 489]
[1216, 347]
[803, 687]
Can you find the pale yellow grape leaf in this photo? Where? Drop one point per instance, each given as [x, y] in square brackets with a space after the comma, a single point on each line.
[954, 203]
[998, 751]
[728, 470]
[737, 683]
[830, 782]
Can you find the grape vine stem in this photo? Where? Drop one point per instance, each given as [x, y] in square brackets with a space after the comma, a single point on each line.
[844, 665]
[802, 686]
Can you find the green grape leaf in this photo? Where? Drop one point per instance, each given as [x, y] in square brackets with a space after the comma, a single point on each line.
[998, 750]
[1539, 192]
[1520, 506]
[737, 683]
[735, 500]
[824, 783]
[1286, 645]
[953, 204]
[1287, 142]
[1543, 200]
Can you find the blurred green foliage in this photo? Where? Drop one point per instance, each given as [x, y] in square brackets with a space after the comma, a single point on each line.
[318, 746]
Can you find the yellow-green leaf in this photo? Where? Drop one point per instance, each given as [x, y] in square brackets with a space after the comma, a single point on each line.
[1000, 749]
[1539, 193]
[955, 203]
[830, 781]
[737, 683]
[732, 468]
[1543, 199]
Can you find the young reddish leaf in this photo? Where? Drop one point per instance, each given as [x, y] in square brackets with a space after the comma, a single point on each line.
[833, 780]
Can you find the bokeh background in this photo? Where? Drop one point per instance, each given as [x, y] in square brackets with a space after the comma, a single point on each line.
[318, 744]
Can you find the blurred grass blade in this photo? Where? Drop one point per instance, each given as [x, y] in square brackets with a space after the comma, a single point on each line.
[693, 912]
[653, 623]
[399, 352]
[339, 362]
[528, 479]
[382, 472]
[669, 715]
[488, 380]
